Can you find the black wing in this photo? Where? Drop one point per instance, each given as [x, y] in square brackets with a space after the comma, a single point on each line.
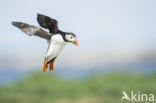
[32, 30]
[48, 23]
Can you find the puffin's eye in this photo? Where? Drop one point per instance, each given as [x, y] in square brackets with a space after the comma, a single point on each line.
[71, 37]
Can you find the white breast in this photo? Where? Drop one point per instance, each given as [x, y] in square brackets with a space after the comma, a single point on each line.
[56, 45]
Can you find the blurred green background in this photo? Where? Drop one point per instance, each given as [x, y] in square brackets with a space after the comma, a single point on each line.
[47, 88]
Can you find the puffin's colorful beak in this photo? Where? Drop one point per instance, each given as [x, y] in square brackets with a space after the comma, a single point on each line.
[75, 42]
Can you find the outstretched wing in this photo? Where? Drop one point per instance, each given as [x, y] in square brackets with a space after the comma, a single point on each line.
[32, 30]
[48, 23]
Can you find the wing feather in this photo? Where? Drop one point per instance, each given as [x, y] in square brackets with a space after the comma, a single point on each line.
[32, 30]
[48, 23]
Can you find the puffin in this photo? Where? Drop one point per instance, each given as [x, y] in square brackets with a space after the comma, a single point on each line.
[56, 38]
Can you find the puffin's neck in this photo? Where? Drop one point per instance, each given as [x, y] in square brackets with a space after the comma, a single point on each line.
[63, 35]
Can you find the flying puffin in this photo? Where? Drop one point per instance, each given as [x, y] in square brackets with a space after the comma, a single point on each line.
[56, 38]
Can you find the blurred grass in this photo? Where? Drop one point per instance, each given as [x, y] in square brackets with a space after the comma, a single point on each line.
[46, 88]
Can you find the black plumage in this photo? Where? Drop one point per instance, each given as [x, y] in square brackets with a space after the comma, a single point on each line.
[51, 24]
[48, 23]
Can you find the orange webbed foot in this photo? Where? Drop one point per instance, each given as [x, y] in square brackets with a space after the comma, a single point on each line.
[51, 66]
[45, 66]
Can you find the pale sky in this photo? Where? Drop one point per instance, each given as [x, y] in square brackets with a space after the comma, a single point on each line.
[100, 25]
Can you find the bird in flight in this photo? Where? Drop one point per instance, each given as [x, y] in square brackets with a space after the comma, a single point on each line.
[56, 38]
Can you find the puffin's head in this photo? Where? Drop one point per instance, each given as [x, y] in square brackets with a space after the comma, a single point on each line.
[71, 37]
